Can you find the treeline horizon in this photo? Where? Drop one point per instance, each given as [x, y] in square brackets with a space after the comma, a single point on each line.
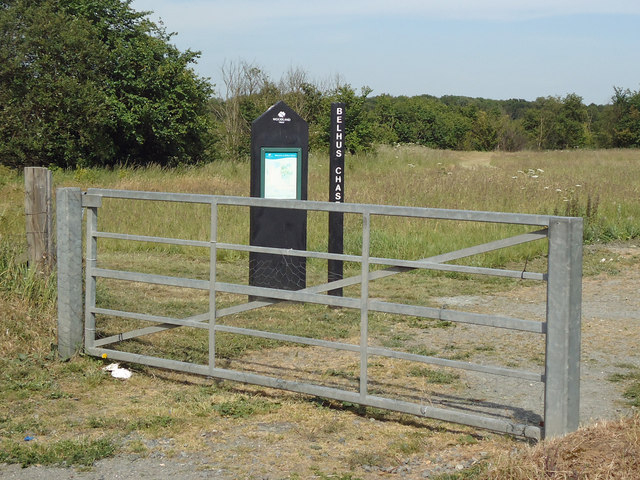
[448, 122]
[97, 84]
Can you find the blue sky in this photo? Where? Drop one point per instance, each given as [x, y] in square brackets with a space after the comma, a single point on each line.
[495, 49]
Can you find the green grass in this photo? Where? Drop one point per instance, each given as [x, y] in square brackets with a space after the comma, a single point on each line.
[82, 452]
[632, 393]
[409, 444]
[434, 376]
[147, 423]
[631, 379]
[244, 407]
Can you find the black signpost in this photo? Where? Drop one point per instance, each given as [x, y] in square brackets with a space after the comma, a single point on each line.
[336, 193]
[279, 169]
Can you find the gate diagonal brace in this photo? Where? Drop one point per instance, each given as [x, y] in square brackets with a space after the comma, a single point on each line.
[437, 259]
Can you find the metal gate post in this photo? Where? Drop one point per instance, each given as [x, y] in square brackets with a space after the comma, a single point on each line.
[364, 305]
[213, 261]
[90, 286]
[564, 305]
[69, 234]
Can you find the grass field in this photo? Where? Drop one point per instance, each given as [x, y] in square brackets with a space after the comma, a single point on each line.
[70, 406]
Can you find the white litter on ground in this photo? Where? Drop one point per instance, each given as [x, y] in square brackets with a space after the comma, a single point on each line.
[117, 372]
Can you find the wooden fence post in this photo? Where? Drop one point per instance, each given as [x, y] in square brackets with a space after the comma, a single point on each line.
[39, 216]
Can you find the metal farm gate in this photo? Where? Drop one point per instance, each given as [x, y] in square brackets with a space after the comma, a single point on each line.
[559, 371]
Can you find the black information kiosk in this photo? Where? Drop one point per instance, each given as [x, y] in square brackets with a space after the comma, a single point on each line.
[279, 169]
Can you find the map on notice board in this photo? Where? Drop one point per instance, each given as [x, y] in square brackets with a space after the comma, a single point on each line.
[280, 175]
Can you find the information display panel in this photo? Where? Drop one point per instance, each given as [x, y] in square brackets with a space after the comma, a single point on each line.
[280, 173]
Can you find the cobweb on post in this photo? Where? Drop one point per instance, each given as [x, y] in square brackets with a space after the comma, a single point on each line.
[284, 272]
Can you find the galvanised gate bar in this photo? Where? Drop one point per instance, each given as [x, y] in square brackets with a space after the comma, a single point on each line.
[561, 330]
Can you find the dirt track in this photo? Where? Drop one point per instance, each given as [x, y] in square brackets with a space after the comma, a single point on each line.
[610, 330]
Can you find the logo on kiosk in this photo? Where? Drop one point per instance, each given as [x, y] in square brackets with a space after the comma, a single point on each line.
[281, 118]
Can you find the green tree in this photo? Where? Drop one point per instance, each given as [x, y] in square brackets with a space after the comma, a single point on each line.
[88, 82]
[359, 125]
[626, 118]
[385, 120]
[426, 120]
[53, 109]
[600, 125]
[483, 135]
[539, 121]
[312, 110]
[572, 123]
[556, 123]
[511, 135]
[415, 117]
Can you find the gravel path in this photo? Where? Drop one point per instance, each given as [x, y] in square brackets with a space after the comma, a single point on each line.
[610, 332]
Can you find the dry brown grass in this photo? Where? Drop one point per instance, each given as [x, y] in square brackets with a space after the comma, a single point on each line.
[604, 450]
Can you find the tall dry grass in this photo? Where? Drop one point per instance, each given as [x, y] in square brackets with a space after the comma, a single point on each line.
[601, 186]
[607, 450]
